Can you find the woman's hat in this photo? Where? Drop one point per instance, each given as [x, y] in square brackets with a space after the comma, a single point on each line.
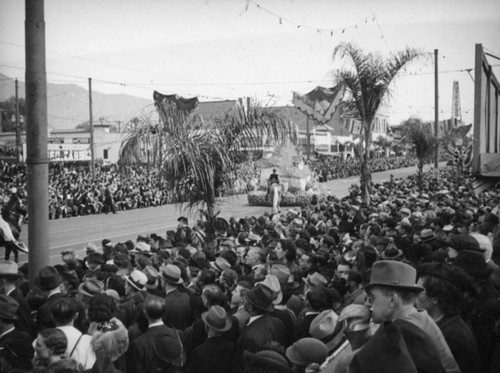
[394, 274]
[216, 318]
[261, 297]
[48, 278]
[172, 274]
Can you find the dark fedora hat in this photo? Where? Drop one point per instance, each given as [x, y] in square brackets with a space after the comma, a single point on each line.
[216, 318]
[48, 278]
[394, 274]
[261, 297]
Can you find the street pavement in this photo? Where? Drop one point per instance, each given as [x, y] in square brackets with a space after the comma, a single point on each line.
[75, 233]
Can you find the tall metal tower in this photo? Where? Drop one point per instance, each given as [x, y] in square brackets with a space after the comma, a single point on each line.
[456, 110]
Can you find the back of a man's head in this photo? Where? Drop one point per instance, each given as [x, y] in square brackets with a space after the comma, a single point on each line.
[64, 311]
[212, 296]
[153, 307]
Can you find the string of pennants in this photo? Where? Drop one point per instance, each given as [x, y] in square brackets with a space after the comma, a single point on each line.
[319, 30]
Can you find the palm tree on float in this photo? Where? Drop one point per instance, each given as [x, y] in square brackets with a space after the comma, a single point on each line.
[367, 81]
[197, 159]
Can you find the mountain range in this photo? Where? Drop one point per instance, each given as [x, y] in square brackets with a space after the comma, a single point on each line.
[68, 104]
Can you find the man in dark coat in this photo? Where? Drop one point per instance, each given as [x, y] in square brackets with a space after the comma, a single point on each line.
[177, 313]
[109, 204]
[211, 355]
[196, 334]
[9, 276]
[183, 233]
[159, 349]
[8, 310]
[261, 327]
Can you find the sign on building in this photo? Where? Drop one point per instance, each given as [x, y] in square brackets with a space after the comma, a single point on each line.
[68, 152]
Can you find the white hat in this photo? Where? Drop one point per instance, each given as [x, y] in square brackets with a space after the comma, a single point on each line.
[137, 279]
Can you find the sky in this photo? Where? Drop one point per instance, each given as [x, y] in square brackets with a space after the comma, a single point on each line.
[264, 49]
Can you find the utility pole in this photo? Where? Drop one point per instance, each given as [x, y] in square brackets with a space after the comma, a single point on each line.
[436, 106]
[36, 150]
[308, 138]
[92, 156]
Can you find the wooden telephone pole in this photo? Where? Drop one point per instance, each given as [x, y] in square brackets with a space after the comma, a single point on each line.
[91, 121]
[36, 150]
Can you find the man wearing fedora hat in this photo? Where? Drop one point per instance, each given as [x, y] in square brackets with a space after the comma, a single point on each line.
[196, 334]
[392, 293]
[178, 313]
[261, 327]
[49, 280]
[9, 276]
[206, 357]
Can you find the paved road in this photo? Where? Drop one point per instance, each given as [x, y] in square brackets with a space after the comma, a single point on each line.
[76, 232]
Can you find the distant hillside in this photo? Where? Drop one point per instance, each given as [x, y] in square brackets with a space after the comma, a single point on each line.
[68, 104]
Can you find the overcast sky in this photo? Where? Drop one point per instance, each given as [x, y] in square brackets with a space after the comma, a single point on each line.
[225, 49]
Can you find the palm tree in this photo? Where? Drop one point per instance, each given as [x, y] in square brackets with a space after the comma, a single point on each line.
[198, 158]
[368, 80]
[419, 135]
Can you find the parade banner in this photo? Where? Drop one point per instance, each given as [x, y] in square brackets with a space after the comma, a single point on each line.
[68, 152]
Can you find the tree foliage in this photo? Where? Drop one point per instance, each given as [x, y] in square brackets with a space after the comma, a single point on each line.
[418, 135]
[367, 78]
[197, 158]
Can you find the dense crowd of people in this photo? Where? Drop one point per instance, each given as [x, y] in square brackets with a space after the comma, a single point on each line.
[331, 168]
[406, 283]
[73, 193]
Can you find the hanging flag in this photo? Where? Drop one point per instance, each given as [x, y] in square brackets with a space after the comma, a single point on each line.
[320, 104]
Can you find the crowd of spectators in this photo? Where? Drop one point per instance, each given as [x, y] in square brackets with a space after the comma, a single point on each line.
[73, 193]
[331, 168]
[406, 283]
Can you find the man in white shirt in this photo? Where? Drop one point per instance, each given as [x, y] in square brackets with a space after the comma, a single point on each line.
[64, 312]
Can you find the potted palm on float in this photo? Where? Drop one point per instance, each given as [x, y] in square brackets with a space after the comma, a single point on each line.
[197, 158]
